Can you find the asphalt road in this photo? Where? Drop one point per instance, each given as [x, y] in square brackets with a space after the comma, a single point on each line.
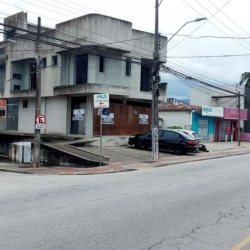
[199, 205]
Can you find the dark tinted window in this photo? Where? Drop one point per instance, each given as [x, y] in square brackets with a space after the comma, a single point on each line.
[128, 67]
[101, 64]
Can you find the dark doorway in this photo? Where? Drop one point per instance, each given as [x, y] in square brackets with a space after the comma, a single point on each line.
[78, 115]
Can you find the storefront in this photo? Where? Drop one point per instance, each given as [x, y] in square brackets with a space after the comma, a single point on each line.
[203, 123]
[226, 129]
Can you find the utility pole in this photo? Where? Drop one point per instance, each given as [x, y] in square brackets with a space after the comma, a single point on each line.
[155, 79]
[37, 135]
[239, 118]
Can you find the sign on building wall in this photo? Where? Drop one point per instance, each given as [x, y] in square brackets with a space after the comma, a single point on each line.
[233, 114]
[143, 119]
[212, 111]
[108, 118]
[78, 114]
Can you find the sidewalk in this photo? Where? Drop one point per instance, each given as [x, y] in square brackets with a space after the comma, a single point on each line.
[124, 158]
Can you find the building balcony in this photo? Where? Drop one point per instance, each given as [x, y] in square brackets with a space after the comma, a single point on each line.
[91, 89]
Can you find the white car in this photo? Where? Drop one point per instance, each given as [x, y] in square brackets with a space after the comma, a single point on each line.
[191, 133]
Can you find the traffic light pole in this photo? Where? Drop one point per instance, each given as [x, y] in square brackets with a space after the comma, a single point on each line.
[154, 83]
[37, 135]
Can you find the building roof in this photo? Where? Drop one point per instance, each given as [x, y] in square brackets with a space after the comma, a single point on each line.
[178, 107]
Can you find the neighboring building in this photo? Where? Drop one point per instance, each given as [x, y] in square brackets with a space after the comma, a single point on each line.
[95, 54]
[218, 120]
[176, 114]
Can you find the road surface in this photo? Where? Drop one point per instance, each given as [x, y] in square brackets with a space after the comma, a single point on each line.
[199, 205]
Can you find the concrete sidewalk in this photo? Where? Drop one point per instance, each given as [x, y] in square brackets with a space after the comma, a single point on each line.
[124, 158]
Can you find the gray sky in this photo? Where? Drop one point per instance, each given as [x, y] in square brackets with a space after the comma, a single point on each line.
[228, 20]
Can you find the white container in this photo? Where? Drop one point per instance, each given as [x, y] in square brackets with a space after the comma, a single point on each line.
[21, 152]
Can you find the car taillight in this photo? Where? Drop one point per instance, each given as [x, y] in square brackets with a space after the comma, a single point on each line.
[190, 142]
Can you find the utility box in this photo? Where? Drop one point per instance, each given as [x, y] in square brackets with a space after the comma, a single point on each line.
[21, 152]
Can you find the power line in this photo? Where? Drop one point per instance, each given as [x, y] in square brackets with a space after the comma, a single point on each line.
[213, 56]
[187, 77]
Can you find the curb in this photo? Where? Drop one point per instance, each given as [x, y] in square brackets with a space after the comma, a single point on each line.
[124, 166]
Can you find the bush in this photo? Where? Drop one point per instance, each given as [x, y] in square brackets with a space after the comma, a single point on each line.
[175, 127]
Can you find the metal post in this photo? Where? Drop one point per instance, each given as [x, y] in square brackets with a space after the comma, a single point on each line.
[37, 136]
[155, 82]
[100, 110]
[239, 118]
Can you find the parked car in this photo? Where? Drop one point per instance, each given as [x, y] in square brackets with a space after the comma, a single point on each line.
[169, 139]
[191, 134]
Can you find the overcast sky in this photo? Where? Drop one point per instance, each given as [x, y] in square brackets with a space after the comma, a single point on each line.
[224, 37]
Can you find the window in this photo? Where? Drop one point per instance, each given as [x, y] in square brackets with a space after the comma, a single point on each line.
[25, 103]
[44, 62]
[145, 76]
[54, 60]
[81, 69]
[128, 67]
[33, 75]
[2, 76]
[2, 113]
[101, 63]
[17, 76]
[10, 34]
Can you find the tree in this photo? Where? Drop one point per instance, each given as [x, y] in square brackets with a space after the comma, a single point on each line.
[245, 78]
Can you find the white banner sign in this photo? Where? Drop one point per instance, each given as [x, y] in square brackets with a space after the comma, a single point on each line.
[212, 111]
[143, 119]
[78, 114]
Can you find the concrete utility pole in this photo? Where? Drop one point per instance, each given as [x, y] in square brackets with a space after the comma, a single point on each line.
[37, 135]
[155, 79]
[239, 118]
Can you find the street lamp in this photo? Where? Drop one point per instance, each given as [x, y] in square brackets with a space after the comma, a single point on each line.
[155, 82]
[193, 21]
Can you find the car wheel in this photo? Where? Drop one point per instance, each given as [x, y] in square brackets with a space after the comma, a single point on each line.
[138, 144]
[179, 151]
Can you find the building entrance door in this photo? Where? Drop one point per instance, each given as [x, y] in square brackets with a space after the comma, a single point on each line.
[78, 116]
[203, 129]
[12, 115]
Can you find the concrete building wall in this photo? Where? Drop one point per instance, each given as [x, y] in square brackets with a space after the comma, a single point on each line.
[55, 110]
[114, 72]
[176, 118]
[97, 28]
[199, 98]
[143, 44]
[26, 117]
[50, 76]
[3, 124]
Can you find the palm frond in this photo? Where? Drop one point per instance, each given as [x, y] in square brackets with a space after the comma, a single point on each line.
[245, 78]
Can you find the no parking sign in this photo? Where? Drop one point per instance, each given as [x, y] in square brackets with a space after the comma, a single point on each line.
[40, 121]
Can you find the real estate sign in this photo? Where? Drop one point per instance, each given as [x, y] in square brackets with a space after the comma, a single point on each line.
[101, 101]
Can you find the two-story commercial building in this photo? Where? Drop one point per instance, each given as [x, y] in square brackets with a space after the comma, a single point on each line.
[81, 57]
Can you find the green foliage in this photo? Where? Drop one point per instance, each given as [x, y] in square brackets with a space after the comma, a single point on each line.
[175, 127]
[245, 78]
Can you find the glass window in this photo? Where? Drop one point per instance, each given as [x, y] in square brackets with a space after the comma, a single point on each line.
[101, 63]
[128, 67]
